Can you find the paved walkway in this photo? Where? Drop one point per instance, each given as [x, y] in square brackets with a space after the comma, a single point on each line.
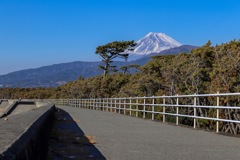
[121, 137]
[3, 106]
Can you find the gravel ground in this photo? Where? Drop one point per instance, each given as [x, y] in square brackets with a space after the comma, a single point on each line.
[120, 137]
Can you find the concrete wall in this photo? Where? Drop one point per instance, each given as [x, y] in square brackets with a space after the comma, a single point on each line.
[24, 136]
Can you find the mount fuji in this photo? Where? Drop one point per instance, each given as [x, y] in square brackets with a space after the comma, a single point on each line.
[155, 43]
[152, 43]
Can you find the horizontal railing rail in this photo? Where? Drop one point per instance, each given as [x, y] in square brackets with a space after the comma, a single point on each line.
[220, 107]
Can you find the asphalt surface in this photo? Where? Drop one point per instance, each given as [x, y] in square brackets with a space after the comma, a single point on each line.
[121, 137]
[68, 141]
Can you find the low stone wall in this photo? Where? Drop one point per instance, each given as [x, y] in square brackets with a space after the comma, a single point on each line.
[24, 136]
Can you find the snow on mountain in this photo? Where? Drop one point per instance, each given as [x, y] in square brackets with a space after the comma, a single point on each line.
[154, 43]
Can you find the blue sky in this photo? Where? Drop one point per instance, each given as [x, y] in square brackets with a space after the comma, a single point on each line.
[35, 33]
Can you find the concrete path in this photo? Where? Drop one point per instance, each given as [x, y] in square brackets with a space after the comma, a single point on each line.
[121, 137]
[3, 105]
[23, 108]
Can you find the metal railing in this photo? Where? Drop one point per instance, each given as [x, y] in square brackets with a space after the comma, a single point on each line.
[191, 108]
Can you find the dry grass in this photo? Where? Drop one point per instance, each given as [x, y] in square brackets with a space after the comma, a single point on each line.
[76, 120]
[91, 139]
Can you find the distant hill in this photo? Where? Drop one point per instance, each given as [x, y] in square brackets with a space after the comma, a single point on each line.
[49, 76]
[57, 74]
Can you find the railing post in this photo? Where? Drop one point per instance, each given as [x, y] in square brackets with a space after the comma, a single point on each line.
[92, 103]
[124, 106]
[164, 109]
[153, 102]
[177, 110]
[195, 111]
[99, 104]
[82, 106]
[119, 105]
[107, 105]
[217, 123]
[111, 104]
[96, 104]
[88, 103]
[115, 105]
[102, 104]
[130, 101]
[81, 103]
[137, 107]
[144, 107]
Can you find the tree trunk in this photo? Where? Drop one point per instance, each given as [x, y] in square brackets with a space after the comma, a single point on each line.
[106, 69]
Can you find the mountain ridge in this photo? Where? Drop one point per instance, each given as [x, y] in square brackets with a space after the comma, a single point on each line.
[57, 74]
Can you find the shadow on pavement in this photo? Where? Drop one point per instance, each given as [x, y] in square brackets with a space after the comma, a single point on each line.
[68, 141]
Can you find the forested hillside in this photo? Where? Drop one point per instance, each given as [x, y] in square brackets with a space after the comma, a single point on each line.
[206, 69]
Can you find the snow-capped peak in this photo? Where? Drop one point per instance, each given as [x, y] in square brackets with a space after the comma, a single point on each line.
[154, 43]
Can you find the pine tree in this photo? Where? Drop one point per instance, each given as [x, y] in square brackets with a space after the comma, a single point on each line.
[112, 50]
